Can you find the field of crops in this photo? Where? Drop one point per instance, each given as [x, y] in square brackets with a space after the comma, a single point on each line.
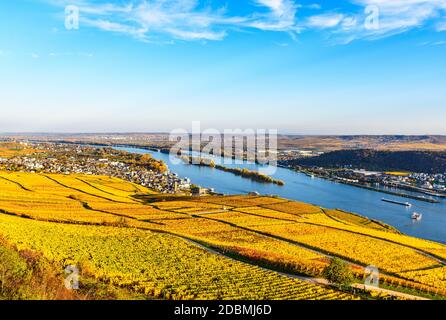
[161, 266]
[435, 277]
[12, 149]
[351, 246]
[129, 236]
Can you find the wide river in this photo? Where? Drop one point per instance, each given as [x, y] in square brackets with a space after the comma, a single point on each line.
[320, 192]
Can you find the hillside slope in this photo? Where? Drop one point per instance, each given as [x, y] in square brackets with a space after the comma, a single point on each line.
[413, 161]
[165, 246]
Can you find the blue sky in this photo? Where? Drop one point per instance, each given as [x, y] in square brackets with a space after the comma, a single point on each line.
[306, 67]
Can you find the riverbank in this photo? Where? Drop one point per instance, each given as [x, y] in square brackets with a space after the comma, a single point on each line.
[398, 194]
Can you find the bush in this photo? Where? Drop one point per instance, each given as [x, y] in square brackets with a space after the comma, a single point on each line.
[14, 274]
[339, 273]
[26, 275]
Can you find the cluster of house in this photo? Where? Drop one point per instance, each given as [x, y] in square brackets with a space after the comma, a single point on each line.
[435, 182]
[166, 182]
[287, 155]
[415, 181]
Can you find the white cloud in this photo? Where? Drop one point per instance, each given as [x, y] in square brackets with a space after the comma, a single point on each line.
[393, 17]
[324, 21]
[115, 27]
[349, 23]
[151, 20]
[164, 20]
[281, 17]
[399, 16]
[280, 8]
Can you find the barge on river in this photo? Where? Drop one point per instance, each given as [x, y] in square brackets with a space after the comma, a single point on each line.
[406, 204]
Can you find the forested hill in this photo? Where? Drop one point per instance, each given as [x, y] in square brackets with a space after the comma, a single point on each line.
[413, 161]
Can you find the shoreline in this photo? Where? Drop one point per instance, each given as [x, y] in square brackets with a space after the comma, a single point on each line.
[403, 195]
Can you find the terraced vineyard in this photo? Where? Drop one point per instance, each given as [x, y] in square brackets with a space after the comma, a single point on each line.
[161, 266]
[176, 247]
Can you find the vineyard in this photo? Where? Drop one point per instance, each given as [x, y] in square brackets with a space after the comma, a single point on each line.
[214, 247]
[12, 149]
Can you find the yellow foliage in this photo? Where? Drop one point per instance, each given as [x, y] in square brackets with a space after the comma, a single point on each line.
[159, 265]
[282, 234]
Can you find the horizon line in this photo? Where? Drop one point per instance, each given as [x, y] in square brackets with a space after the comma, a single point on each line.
[167, 133]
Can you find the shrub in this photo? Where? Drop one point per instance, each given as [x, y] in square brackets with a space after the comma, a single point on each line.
[339, 273]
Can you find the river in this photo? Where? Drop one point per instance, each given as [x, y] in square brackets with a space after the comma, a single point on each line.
[321, 192]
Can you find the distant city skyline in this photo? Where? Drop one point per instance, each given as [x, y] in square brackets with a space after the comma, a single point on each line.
[302, 67]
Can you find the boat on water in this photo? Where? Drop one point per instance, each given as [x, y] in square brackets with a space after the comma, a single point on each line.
[417, 216]
[407, 204]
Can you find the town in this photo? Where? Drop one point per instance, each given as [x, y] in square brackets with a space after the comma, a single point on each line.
[425, 183]
[76, 159]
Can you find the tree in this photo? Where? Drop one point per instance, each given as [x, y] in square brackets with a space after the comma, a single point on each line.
[339, 273]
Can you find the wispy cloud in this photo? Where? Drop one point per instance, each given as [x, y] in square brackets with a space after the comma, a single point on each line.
[393, 17]
[323, 21]
[152, 20]
[280, 17]
[167, 20]
[402, 15]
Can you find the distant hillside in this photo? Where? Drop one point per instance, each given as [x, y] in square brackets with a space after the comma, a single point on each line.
[285, 142]
[383, 143]
[413, 161]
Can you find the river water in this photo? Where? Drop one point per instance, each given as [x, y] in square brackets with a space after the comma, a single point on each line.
[321, 192]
